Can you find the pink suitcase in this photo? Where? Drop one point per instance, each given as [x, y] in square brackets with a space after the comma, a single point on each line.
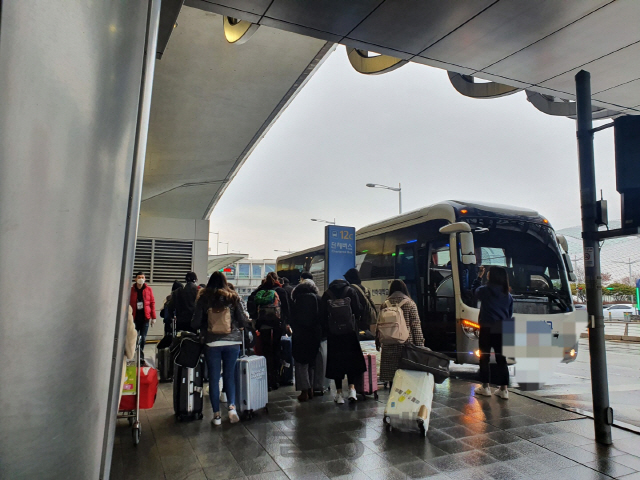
[369, 384]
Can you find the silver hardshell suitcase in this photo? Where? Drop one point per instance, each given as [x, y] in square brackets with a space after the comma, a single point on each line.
[252, 389]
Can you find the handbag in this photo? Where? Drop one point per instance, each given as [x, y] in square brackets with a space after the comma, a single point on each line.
[187, 349]
[423, 359]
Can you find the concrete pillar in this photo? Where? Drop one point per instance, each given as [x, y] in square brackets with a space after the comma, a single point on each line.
[74, 94]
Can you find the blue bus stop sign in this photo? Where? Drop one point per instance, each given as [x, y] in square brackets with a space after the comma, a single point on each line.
[339, 251]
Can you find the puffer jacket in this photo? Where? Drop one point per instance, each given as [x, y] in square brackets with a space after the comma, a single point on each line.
[216, 300]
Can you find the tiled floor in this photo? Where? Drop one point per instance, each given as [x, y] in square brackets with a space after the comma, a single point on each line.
[474, 438]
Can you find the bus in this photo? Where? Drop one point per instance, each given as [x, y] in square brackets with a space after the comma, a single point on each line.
[437, 250]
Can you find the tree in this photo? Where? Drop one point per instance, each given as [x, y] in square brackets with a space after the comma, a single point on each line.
[579, 271]
[619, 290]
[606, 277]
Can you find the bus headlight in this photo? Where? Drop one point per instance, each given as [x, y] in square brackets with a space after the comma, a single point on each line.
[470, 329]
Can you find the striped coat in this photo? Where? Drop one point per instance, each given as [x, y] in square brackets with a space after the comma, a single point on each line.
[391, 353]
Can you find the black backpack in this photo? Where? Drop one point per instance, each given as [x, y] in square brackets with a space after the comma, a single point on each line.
[369, 311]
[341, 320]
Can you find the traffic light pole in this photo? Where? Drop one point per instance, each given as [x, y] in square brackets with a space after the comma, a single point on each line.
[602, 412]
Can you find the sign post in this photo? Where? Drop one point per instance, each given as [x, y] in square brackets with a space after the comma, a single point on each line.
[339, 251]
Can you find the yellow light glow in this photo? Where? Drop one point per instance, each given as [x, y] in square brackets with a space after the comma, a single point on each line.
[469, 323]
[477, 352]
[113, 28]
[464, 212]
[572, 352]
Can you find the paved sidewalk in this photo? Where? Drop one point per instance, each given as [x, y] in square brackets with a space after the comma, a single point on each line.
[469, 438]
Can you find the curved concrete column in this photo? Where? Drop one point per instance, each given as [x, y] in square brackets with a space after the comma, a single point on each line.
[466, 85]
[72, 144]
[376, 65]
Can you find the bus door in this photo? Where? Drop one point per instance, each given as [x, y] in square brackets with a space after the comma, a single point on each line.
[407, 270]
[439, 325]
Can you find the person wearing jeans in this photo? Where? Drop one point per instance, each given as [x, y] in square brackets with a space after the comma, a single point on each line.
[224, 356]
[220, 318]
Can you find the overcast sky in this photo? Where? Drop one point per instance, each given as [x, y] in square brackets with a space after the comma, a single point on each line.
[345, 129]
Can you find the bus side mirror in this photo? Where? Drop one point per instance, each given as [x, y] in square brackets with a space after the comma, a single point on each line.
[467, 249]
[466, 240]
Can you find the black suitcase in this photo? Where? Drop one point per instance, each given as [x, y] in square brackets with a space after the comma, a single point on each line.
[423, 359]
[164, 358]
[164, 363]
[188, 391]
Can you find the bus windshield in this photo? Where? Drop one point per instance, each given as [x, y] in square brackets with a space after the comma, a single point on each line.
[530, 254]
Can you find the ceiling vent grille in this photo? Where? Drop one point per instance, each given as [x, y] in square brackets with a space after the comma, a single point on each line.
[163, 261]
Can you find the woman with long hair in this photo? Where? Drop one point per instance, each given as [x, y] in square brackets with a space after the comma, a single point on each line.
[220, 318]
[390, 358]
[495, 309]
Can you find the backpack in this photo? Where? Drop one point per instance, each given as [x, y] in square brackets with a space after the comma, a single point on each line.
[392, 327]
[369, 311]
[219, 320]
[268, 308]
[341, 320]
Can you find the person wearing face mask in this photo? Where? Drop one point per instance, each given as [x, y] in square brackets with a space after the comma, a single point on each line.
[144, 306]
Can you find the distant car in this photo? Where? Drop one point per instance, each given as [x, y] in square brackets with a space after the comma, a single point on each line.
[618, 311]
[579, 306]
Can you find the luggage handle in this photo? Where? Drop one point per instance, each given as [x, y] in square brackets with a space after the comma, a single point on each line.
[244, 354]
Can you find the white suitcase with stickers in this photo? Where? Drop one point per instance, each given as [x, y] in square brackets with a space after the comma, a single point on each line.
[409, 405]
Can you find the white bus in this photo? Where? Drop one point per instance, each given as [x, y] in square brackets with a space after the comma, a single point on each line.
[437, 250]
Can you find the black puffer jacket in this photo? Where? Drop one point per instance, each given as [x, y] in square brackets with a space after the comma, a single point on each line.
[217, 299]
[183, 301]
[305, 322]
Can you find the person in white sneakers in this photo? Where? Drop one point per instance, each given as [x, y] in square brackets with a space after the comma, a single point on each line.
[220, 319]
[340, 312]
[495, 309]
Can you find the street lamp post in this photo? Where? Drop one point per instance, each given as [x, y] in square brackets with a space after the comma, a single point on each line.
[217, 234]
[324, 221]
[393, 189]
[227, 244]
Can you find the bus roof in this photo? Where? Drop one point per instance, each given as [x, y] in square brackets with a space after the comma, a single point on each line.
[446, 210]
[303, 252]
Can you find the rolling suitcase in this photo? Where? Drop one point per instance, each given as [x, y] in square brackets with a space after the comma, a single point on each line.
[252, 387]
[369, 383]
[286, 355]
[164, 362]
[409, 405]
[188, 391]
[164, 359]
[321, 384]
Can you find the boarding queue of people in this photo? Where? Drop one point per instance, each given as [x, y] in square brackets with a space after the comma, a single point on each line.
[278, 312]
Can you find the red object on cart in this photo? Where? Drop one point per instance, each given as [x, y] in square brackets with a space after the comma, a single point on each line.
[148, 390]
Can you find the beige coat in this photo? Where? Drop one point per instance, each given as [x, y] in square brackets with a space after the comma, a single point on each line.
[129, 346]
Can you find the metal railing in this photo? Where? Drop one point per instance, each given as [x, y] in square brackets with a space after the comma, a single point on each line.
[619, 327]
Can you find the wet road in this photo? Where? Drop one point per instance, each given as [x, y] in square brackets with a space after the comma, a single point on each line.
[571, 383]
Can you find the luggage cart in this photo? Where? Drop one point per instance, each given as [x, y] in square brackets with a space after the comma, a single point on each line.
[133, 416]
